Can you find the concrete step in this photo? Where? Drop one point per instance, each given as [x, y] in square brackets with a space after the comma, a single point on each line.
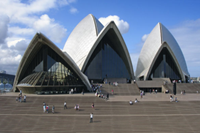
[121, 89]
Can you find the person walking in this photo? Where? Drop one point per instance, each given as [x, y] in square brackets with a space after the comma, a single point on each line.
[92, 105]
[47, 109]
[20, 98]
[65, 105]
[24, 98]
[91, 117]
[83, 92]
[44, 107]
[53, 109]
[107, 96]
[20, 92]
[141, 94]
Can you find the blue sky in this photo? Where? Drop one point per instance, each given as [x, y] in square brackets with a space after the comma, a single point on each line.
[20, 20]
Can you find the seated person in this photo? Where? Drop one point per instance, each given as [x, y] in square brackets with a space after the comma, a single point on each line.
[166, 91]
[171, 98]
[76, 107]
[136, 101]
[131, 102]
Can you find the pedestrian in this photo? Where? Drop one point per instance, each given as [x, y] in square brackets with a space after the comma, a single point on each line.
[92, 105]
[83, 92]
[47, 109]
[24, 98]
[156, 91]
[91, 117]
[20, 92]
[107, 96]
[65, 105]
[141, 94]
[44, 107]
[53, 109]
[20, 99]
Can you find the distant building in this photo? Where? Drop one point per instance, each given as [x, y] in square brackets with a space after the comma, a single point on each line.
[2, 71]
[6, 81]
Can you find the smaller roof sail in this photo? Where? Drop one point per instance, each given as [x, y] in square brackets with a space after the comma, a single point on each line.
[157, 40]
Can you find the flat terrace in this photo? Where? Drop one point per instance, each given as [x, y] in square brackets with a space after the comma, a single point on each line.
[160, 116]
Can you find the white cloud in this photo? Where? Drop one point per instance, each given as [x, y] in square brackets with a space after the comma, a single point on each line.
[19, 21]
[16, 30]
[144, 37]
[13, 42]
[47, 26]
[73, 10]
[122, 25]
[4, 20]
[65, 2]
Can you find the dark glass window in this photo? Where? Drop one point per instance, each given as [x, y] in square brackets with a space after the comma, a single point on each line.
[165, 67]
[105, 62]
[51, 70]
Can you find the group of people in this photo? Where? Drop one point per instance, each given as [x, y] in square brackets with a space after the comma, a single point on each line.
[183, 92]
[19, 98]
[172, 99]
[98, 92]
[46, 108]
[131, 102]
[76, 107]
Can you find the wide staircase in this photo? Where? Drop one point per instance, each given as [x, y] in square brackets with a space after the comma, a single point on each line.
[121, 89]
[188, 87]
[114, 117]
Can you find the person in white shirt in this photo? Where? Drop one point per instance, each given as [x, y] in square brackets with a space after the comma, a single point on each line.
[91, 117]
[24, 98]
[65, 105]
[136, 101]
[131, 102]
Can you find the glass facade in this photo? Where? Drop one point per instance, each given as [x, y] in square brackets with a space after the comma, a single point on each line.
[105, 62]
[49, 69]
[165, 67]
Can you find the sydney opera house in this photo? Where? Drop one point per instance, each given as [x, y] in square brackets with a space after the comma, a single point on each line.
[97, 53]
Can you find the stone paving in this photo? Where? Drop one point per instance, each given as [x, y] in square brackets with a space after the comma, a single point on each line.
[147, 116]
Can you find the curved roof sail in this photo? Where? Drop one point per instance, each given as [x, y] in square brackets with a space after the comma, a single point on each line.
[52, 64]
[86, 36]
[158, 39]
[82, 38]
[113, 33]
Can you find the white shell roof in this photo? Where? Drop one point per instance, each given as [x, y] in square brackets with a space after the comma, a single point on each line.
[82, 38]
[152, 45]
[39, 39]
[85, 37]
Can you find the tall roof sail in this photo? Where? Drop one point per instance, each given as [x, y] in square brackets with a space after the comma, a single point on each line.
[82, 39]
